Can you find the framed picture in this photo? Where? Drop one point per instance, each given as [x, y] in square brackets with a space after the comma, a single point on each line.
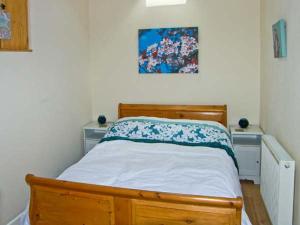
[5, 29]
[279, 39]
[168, 50]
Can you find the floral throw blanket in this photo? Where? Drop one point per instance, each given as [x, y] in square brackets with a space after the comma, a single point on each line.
[186, 133]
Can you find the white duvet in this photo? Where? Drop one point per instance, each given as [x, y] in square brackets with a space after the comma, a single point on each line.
[159, 167]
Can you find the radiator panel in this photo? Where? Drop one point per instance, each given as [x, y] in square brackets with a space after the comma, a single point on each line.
[277, 181]
[270, 183]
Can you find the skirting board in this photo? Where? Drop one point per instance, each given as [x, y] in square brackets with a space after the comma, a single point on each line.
[17, 220]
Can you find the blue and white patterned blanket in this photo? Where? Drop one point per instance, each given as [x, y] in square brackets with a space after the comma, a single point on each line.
[187, 133]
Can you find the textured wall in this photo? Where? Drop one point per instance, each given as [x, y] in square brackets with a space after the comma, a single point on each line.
[45, 99]
[229, 55]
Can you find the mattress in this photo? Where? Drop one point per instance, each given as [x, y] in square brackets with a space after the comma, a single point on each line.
[162, 167]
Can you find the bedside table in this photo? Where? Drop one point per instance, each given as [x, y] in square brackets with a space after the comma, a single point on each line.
[92, 134]
[247, 147]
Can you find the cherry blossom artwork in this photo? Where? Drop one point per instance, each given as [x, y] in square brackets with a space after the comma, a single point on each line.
[168, 50]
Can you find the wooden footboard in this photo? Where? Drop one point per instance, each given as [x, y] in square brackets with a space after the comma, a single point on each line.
[55, 202]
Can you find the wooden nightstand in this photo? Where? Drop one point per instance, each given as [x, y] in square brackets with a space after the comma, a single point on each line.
[93, 133]
[247, 147]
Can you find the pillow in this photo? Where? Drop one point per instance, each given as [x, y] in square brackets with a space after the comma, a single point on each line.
[179, 132]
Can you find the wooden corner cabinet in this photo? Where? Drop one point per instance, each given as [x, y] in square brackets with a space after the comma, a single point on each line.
[93, 133]
[19, 42]
[247, 148]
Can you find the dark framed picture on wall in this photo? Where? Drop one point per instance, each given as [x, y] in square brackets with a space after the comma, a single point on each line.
[168, 50]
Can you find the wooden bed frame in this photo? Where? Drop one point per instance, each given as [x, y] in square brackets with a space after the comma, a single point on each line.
[55, 202]
[216, 113]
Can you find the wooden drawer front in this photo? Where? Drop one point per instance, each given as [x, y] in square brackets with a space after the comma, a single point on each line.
[246, 140]
[156, 213]
[248, 158]
[62, 209]
[94, 134]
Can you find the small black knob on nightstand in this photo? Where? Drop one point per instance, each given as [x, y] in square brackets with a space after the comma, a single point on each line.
[101, 120]
[244, 123]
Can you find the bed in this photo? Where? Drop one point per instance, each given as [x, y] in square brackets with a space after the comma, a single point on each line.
[132, 182]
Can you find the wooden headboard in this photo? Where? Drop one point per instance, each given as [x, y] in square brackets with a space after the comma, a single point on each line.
[216, 113]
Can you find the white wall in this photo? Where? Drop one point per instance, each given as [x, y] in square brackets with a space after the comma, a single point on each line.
[229, 55]
[280, 92]
[45, 99]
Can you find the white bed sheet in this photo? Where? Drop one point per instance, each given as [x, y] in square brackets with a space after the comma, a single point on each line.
[158, 167]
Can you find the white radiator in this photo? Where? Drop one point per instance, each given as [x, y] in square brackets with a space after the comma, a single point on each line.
[277, 181]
